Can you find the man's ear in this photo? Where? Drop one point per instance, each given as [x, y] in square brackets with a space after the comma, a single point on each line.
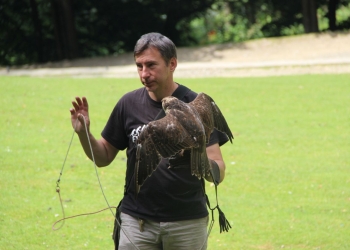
[173, 64]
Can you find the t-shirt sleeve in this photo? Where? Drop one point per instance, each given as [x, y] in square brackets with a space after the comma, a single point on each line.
[217, 137]
[114, 131]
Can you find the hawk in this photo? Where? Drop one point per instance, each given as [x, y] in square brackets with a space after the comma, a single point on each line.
[186, 126]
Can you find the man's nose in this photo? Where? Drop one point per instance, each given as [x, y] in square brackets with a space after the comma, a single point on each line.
[145, 72]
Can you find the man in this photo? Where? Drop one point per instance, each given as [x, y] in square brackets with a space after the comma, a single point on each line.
[170, 210]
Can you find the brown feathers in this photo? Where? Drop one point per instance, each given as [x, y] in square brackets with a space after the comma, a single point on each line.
[185, 126]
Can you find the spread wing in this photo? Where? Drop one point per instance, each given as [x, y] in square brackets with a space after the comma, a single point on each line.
[162, 138]
[211, 115]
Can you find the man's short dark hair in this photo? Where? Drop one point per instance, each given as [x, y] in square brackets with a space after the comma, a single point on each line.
[164, 45]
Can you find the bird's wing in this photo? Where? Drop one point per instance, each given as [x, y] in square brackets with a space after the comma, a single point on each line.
[190, 120]
[162, 138]
[211, 115]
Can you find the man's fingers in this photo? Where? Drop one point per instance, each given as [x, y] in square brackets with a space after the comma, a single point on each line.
[72, 111]
[80, 104]
[77, 98]
[85, 102]
[75, 105]
[82, 101]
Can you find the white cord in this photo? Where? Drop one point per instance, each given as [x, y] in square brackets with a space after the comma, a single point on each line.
[98, 178]
[99, 182]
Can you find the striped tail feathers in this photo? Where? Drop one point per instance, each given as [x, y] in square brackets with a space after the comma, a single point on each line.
[199, 161]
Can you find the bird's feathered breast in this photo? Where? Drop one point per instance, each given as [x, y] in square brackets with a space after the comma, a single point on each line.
[185, 126]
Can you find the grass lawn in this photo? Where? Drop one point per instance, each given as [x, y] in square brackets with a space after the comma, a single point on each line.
[287, 182]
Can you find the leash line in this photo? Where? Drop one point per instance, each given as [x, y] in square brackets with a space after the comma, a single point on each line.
[58, 190]
[78, 215]
[100, 184]
[97, 175]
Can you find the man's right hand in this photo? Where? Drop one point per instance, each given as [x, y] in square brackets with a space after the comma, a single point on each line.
[79, 113]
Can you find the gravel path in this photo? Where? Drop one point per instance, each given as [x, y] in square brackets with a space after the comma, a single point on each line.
[307, 54]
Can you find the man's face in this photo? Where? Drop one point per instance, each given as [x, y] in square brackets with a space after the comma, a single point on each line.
[153, 71]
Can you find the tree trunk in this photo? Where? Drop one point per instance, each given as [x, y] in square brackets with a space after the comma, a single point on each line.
[65, 32]
[310, 16]
[37, 30]
[251, 12]
[169, 28]
[332, 20]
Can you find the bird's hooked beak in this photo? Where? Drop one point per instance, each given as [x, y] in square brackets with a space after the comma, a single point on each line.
[166, 101]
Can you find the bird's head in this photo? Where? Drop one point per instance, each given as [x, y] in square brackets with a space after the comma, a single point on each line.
[169, 101]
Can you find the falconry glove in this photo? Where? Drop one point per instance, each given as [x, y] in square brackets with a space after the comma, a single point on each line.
[214, 172]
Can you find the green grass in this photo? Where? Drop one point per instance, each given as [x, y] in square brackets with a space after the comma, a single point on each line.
[287, 182]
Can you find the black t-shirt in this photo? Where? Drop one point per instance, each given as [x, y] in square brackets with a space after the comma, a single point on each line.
[169, 194]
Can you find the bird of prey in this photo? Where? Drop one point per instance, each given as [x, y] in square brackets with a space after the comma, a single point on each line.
[186, 126]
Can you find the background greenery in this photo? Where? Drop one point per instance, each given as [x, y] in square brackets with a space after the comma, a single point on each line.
[287, 184]
[41, 31]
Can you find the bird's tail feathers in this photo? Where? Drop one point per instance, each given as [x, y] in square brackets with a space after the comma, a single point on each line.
[200, 165]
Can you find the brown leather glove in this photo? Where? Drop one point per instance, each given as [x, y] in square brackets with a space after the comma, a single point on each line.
[214, 172]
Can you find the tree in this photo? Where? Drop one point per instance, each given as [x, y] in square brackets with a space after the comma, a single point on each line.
[37, 30]
[284, 15]
[178, 10]
[332, 7]
[65, 32]
[309, 11]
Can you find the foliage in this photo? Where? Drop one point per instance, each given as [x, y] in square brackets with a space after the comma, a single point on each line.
[343, 17]
[287, 174]
[38, 31]
[103, 27]
[236, 21]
